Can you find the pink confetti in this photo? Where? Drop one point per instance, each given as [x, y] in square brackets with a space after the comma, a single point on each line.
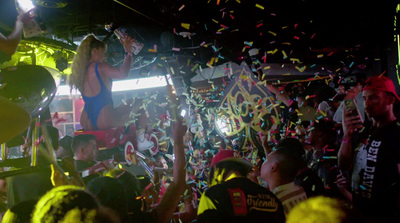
[39, 140]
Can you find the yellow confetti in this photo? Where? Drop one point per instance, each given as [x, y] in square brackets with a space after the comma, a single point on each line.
[320, 56]
[212, 60]
[185, 25]
[274, 34]
[262, 83]
[267, 67]
[301, 69]
[194, 67]
[272, 51]
[260, 6]
[215, 21]
[323, 113]
[286, 43]
[284, 54]
[172, 71]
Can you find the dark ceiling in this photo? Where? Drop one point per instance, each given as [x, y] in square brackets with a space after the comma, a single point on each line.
[312, 31]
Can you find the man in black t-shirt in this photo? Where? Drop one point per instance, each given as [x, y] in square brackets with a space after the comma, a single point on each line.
[232, 197]
[85, 151]
[374, 153]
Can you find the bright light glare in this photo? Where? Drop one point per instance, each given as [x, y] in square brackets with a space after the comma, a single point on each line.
[137, 84]
[124, 85]
[25, 5]
[222, 125]
[183, 112]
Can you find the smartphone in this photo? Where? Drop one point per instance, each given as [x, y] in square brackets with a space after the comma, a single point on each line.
[351, 106]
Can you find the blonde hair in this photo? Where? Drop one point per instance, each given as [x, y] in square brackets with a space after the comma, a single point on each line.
[81, 61]
[320, 209]
[65, 201]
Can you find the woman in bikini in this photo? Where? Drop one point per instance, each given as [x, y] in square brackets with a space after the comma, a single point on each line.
[92, 76]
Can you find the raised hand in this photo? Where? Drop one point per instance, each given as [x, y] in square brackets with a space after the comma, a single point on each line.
[26, 17]
[351, 122]
[127, 44]
[179, 130]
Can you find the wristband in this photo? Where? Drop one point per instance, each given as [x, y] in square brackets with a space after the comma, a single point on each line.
[345, 141]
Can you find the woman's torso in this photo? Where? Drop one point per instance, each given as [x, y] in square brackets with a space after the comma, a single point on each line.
[92, 88]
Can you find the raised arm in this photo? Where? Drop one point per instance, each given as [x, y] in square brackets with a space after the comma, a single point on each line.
[281, 95]
[122, 71]
[9, 44]
[345, 155]
[172, 196]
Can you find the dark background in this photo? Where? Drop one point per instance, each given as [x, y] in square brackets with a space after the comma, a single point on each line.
[346, 33]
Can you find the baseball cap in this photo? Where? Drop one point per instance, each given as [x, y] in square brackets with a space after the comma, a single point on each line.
[229, 155]
[380, 83]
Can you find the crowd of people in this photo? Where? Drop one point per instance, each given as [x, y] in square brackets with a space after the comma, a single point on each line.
[336, 160]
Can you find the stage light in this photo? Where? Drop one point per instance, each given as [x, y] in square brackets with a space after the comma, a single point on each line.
[183, 112]
[124, 85]
[25, 5]
[222, 125]
[141, 83]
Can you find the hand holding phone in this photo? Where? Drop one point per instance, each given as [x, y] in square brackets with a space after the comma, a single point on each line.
[352, 119]
[350, 107]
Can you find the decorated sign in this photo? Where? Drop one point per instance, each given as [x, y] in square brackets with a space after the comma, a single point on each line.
[248, 110]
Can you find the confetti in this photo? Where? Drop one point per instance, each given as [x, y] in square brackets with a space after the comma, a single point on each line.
[260, 6]
[185, 25]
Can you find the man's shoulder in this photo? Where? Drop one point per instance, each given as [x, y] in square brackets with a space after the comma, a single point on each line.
[390, 130]
[243, 183]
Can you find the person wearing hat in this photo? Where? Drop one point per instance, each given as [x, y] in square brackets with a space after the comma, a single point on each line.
[232, 197]
[372, 153]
